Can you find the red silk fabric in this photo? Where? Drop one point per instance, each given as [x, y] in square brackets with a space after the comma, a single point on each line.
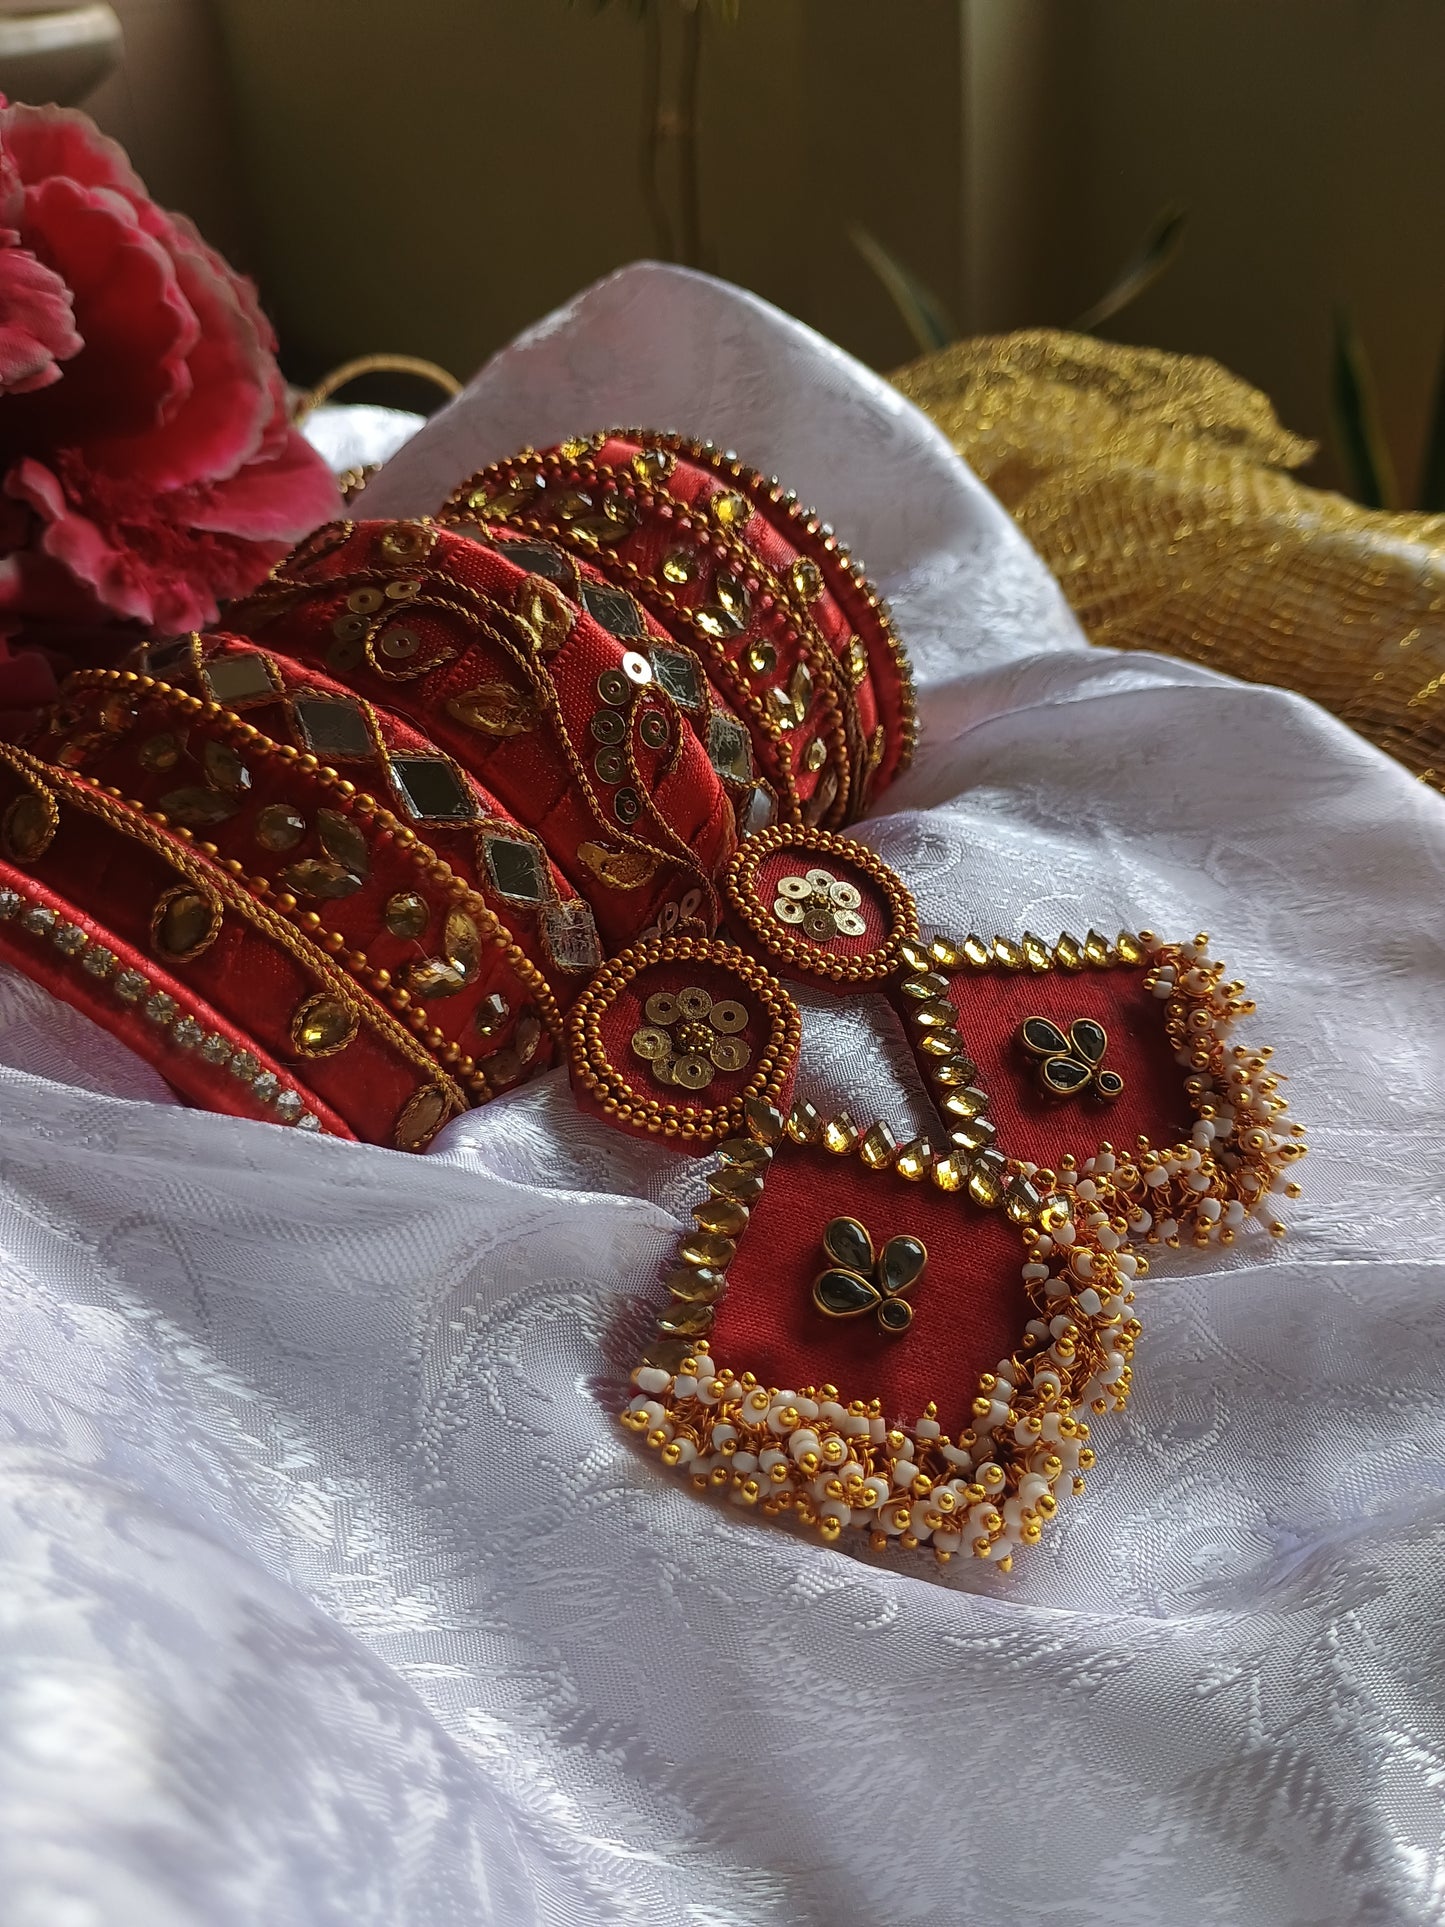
[993, 1004]
[969, 1307]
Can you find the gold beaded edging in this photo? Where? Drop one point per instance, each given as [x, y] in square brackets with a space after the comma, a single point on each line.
[1240, 1149]
[493, 619]
[594, 1070]
[493, 495]
[740, 885]
[130, 820]
[837, 1468]
[360, 803]
[805, 519]
[487, 495]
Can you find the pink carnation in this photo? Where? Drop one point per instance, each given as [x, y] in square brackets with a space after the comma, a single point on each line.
[148, 468]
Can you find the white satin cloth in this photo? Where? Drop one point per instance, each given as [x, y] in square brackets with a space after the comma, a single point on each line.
[333, 1593]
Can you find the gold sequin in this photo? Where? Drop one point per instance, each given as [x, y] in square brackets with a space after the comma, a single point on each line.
[400, 642]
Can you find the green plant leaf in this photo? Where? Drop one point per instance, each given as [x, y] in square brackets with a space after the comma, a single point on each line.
[1156, 255]
[1432, 483]
[1359, 439]
[924, 314]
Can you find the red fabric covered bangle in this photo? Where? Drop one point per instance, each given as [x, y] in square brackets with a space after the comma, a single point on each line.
[568, 724]
[795, 639]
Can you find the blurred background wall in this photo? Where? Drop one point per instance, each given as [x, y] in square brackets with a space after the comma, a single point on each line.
[428, 175]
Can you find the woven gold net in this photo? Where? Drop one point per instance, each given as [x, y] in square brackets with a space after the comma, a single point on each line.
[1156, 487]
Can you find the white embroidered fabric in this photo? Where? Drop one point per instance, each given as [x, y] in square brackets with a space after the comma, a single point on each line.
[332, 1591]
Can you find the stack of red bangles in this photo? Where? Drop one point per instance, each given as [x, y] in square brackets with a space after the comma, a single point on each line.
[346, 863]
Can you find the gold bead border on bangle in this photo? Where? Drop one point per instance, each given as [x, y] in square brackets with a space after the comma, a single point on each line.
[619, 1100]
[769, 496]
[769, 490]
[359, 803]
[1204, 1188]
[131, 820]
[673, 849]
[742, 699]
[989, 1491]
[740, 886]
[496, 486]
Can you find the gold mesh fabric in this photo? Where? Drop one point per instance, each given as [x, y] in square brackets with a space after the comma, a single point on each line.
[1156, 487]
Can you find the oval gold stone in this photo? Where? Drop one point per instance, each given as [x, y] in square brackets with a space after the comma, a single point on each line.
[280, 827]
[313, 878]
[462, 944]
[187, 924]
[744, 1153]
[730, 509]
[695, 1284]
[765, 1121]
[667, 1353]
[433, 977]
[528, 1037]
[492, 1012]
[28, 828]
[343, 842]
[406, 914]
[731, 592]
[161, 752]
[225, 768]
[686, 1321]
[422, 1116]
[322, 1025]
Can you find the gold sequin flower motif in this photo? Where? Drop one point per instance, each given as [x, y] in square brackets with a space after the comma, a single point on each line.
[688, 1038]
[825, 906]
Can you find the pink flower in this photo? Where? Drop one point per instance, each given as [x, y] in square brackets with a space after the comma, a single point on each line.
[148, 468]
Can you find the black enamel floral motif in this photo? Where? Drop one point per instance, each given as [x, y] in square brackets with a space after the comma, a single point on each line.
[1070, 1066]
[858, 1280]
